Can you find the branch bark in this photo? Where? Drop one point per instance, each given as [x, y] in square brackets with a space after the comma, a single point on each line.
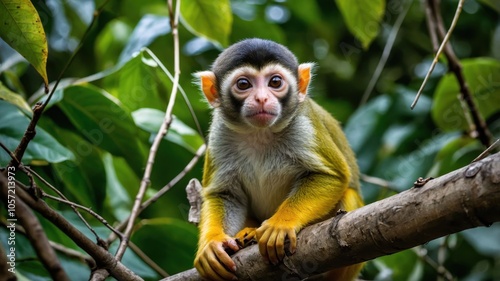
[465, 198]
[36, 235]
[483, 133]
[102, 257]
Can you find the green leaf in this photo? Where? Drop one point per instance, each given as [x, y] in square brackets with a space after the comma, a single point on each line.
[372, 117]
[209, 19]
[494, 4]
[483, 78]
[110, 42]
[120, 184]
[147, 30]
[13, 98]
[85, 176]
[43, 147]
[402, 170]
[363, 18]
[404, 265]
[257, 28]
[484, 239]
[455, 154]
[179, 133]
[103, 121]
[139, 84]
[22, 29]
[172, 235]
[308, 11]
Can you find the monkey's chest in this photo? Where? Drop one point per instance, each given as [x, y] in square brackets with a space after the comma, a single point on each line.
[268, 180]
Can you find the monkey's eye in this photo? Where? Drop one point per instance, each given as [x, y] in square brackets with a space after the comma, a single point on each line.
[275, 82]
[243, 84]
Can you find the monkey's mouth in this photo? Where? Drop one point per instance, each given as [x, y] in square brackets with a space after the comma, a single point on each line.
[262, 118]
[262, 113]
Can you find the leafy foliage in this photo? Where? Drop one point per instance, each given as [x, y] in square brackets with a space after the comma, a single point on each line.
[483, 78]
[22, 29]
[92, 140]
[362, 18]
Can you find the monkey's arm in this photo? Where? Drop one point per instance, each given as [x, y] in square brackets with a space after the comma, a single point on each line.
[219, 213]
[211, 260]
[313, 199]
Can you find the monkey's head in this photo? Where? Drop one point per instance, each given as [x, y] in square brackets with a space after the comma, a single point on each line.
[256, 83]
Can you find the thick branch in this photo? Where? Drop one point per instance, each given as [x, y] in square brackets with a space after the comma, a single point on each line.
[5, 274]
[465, 198]
[35, 234]
[102, 257]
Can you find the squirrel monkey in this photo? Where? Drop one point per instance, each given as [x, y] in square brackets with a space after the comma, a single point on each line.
[276, 161]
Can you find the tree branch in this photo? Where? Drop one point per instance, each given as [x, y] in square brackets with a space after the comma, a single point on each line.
[39, 107]
[465, 198]
[102, 257]
[156, 142]
[444, 45]
[482, 131]
[35, 233]
[5, 274]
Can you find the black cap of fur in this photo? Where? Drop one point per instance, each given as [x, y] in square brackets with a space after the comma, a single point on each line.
[254, 52]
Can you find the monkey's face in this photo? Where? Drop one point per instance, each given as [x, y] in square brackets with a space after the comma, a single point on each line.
[256, 84]
[260, 94]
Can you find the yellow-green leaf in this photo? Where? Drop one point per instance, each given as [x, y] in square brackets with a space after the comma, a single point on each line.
[362, 18]
[208, 18]
[22, 29]
[15, 99]
[483, 77]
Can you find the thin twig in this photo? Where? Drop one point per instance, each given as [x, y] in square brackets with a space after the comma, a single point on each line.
[183, 93]
[73, 206]
[441, 270]
[60, 248]
[33, 230]
[163, 190]
[441, 256]
[72, 253]
[177, 178]
[88, 210]
[431, 26]
[440, 50]
[156, 143]
[486, 151]
[385, 54]
[12, 156]
[148, 260]
[39, 107]
[101, 256]
[375, 180]
[483, 133]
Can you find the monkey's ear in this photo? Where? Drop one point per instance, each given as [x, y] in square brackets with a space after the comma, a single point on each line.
[305, 73]
[207, 84]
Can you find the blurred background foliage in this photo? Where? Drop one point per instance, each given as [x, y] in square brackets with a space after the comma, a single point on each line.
[92, 141]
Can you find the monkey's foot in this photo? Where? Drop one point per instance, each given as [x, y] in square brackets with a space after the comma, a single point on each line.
[246, 237]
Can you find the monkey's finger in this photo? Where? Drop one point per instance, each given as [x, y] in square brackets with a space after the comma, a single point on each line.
[271, 247]
[225, 259]
[292, 236]
[280, 245]
[263, 245]
[209, 267]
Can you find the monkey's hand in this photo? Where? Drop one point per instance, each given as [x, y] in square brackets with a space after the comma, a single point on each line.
[246, 237]
[213, 262]
[271, 238]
